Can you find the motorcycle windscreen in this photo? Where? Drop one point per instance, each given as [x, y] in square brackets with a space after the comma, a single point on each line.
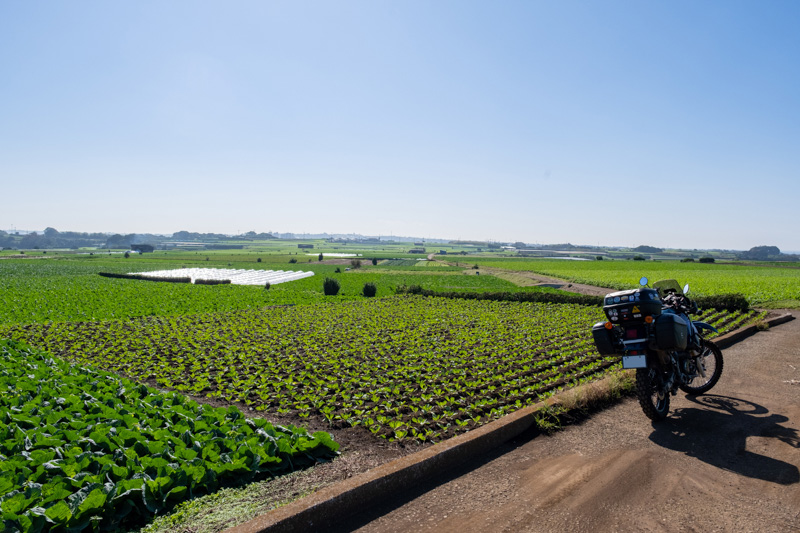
[667, 285]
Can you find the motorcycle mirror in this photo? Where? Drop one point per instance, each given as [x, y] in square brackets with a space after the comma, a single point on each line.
[643, 281]
[686, 289]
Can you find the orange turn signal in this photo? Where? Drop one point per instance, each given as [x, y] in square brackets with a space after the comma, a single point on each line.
[648, 319]
[609, 325]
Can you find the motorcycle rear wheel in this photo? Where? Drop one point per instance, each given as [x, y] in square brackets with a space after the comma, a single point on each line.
[712, 357]
[654, 402]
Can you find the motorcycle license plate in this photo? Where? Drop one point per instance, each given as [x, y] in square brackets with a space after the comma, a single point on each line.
[634, 361]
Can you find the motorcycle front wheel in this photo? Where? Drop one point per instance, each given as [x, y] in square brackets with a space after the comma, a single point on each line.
[711, 359]
[651, 394]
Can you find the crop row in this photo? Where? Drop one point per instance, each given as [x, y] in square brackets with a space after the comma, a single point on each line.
[403, 367]
[86, 450]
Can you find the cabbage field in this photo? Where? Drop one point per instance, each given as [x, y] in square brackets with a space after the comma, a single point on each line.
[402, 367]
[87, 450]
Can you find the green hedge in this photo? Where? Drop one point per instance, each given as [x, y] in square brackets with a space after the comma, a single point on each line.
[522, 296]
[212, 282]
[144, 278]
[730, 302]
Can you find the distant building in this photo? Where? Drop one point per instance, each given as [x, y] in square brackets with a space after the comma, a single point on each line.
[184, 245]
[143, 248]
[225, 246]
[305, 246]
[417, 251]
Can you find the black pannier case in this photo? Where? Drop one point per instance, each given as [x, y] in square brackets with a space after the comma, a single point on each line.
[632, 305]
[672, 332]
[603, 339]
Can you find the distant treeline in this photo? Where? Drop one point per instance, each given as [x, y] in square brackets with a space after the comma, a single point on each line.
[51, 238]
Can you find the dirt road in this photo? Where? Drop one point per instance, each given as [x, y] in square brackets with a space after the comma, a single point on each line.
[726, 461]
[528, 279]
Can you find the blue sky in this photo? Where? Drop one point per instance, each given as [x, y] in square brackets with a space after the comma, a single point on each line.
[672, 124]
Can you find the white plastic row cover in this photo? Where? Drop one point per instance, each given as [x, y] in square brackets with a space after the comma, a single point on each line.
[237, 277]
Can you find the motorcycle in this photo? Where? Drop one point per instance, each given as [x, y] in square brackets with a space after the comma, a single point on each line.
[651, 330]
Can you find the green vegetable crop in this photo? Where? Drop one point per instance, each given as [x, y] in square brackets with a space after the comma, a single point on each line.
[404, 368]
[84, 450]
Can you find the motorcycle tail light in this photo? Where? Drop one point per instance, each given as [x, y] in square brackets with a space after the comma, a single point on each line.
[648, 319]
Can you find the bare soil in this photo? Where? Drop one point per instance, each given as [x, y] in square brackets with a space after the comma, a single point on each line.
[528, 279]
[725, 461]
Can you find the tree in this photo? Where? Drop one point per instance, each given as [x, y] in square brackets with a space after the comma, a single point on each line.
[369, 290]
[330, 287]
[119, 241]
[761, 253]
[648, 249]
[182, 235]
[31, 240]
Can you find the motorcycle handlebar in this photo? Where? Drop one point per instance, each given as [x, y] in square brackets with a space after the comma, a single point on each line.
[680, 303]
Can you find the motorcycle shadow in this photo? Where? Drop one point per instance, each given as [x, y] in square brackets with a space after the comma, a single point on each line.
[716, 433]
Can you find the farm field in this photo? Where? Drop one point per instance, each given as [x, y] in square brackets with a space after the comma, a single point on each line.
[765, 284]
[401, 367]
[71, 289]
[81, 446]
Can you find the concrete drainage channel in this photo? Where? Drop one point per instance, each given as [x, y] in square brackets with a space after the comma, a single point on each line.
[341, 500]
